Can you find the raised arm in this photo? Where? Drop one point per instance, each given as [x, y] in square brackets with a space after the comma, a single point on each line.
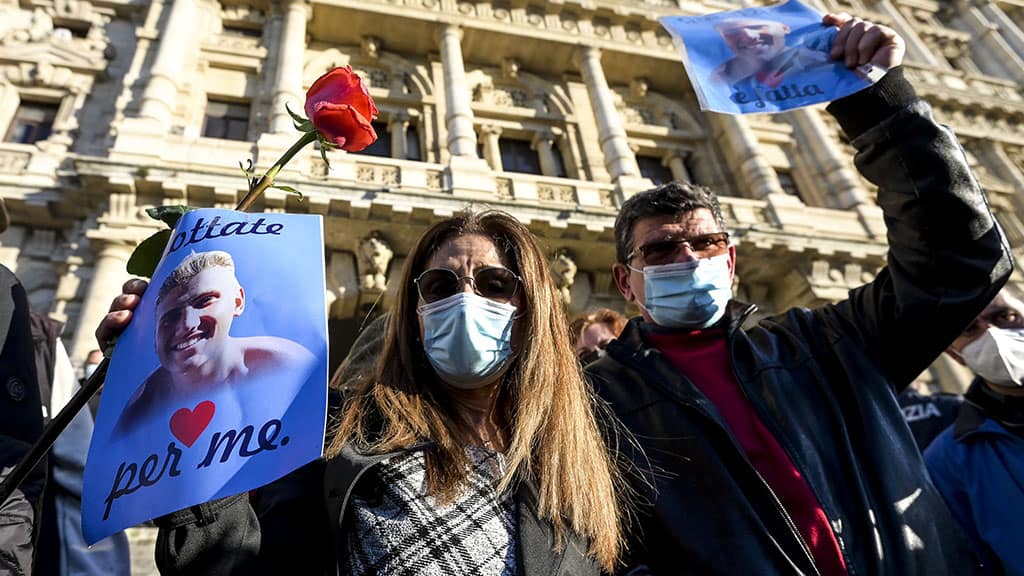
[947, 255]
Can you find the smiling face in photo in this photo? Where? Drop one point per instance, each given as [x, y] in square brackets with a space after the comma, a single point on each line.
[755, 39]
[193, 319]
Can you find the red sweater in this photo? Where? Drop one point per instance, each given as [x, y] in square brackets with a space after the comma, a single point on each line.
[703, 358]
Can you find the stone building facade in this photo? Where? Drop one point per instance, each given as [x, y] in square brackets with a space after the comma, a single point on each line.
[552, 110]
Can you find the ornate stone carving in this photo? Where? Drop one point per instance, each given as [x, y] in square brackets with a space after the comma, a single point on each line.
[378, 174]
[13, 162]
[20, 27]
[563, 267]
[504, 190]
[435, 180]
[374, 256]
[556, 193]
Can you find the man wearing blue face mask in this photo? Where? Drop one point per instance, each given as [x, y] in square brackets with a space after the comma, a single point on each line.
[779, 448]
[978, 463]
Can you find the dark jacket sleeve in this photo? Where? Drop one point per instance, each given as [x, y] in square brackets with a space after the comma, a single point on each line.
[21, 423]
[947, 255]
[280, 528]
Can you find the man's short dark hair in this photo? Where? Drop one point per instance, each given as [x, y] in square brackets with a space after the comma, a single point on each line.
[670, 199]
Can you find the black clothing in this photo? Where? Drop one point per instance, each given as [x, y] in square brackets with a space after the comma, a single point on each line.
[21, 424]
[823, 381]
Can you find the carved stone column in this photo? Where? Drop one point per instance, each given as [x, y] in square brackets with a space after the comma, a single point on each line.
[107, 277]
[492, 150]
[177, 38]
[459, 119]
[291, 51]
[995, 37]
[618, 158]
[676, 162]
[831, 166]
[917, 49]
[740, 144]
[542, 143]
[1010, 30]
[397, 126]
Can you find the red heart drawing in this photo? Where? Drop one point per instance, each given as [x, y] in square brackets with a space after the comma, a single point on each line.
[187, 425]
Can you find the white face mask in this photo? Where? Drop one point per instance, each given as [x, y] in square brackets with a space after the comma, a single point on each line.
[89, 369]
[997, 356]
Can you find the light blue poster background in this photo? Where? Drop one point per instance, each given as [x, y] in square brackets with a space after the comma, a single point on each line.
[704, 51]
[277, 425]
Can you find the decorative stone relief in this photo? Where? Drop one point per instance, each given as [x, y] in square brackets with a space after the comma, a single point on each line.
[556, 193]
[504, 190]
[563, 267]
[388, 175]
[435, 180]
[375, 254]
[18, 26]
[14, 162]
[570, 22]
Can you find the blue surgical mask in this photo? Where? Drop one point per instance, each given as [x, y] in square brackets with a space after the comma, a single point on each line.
[467, 338]
[687, 294]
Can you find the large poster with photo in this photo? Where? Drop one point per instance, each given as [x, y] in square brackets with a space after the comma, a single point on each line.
[219, 384]
[764, 59]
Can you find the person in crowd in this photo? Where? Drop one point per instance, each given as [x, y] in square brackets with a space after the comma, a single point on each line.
[978, 463]
[593, 331]
[61, 549]
[92, 362]
[778, 447]
[474, 448]
[926, 412]
[21, 423]
[761, 55]
[195, 308]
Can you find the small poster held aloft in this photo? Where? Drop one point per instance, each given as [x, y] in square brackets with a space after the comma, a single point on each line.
[764, 59]
[219, 384]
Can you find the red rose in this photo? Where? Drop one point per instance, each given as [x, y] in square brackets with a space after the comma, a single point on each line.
[341, 109]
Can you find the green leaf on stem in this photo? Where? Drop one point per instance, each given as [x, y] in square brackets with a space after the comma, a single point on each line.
[288, 189]
[168, 214]
[147, 254]
[302, 124]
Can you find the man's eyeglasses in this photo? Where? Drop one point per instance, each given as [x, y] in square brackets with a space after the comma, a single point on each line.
[665, 251]
[494, 282]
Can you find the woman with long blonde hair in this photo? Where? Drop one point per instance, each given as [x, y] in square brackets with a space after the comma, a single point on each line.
[471, 448]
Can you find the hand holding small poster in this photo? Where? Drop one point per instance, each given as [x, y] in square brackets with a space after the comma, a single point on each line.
[764, 59]
[216, 387]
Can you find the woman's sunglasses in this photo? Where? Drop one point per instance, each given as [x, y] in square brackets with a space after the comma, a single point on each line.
[494, 282]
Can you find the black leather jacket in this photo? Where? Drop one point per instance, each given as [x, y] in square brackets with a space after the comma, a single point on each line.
[823, 381]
